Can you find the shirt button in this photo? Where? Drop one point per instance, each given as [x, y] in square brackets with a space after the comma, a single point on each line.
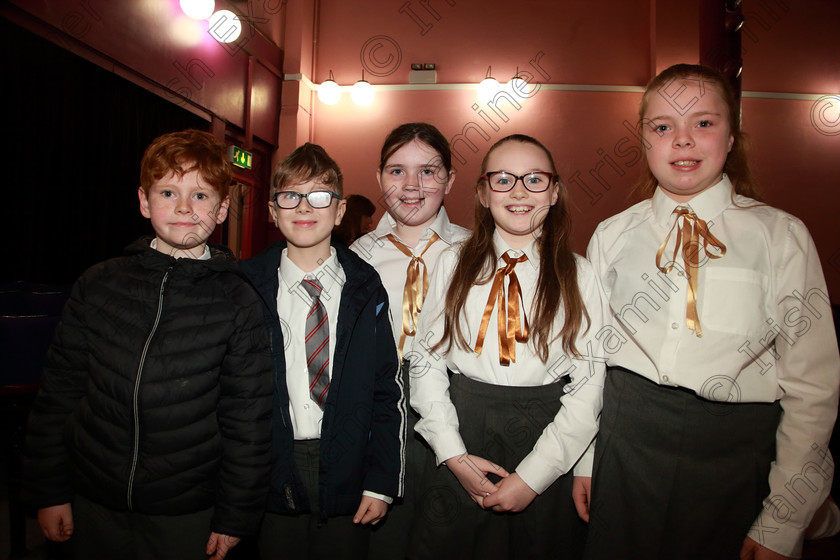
[306, 407]
[675, 326]
[665, 378]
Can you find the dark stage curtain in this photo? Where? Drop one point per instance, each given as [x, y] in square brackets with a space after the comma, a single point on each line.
[74, 135]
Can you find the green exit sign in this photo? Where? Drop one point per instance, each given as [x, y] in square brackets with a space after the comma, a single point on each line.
[239, 157]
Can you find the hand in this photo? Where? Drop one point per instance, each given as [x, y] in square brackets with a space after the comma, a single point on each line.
[513, 495]
[56, 522]
[581, 493]
[371, 510]
[754, 551]
[219, 545]
[471, 471]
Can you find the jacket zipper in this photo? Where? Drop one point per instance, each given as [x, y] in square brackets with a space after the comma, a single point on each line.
[134, 406]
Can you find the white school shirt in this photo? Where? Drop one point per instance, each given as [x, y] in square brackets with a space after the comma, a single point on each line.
[293, 304]
[565, 439]
[392, 264]
[767, 332]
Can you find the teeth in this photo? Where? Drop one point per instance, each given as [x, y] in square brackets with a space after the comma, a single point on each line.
[411, 200]
[686, 163]
[519, 209]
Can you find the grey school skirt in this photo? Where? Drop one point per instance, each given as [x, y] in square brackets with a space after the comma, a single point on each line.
[676, 476]
[501, 424]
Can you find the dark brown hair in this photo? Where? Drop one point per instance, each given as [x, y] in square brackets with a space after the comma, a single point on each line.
[424, 132]
[309, 162]
[350, 227]
[736, 167]
[185, 151]
[557, 280]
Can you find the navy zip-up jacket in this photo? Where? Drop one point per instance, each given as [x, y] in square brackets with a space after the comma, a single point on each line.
[362, 444]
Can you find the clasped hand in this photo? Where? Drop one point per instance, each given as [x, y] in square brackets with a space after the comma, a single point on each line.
[509, 494]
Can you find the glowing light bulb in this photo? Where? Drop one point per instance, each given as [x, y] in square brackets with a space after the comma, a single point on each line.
[487, 88]
[329, 92]
[520, 87]
[225, 26]
[362, 93]
[198, 9]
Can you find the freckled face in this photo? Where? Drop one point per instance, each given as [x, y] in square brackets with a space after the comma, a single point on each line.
[689, 139]
[518, 213]
[184, 211]
[414, 182]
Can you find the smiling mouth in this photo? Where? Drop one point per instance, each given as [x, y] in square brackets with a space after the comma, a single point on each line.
[685, 162]
[412, 201]
[305, 223]
[519, 209]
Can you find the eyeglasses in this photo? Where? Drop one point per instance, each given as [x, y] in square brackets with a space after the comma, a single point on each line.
[316, 199]
[503, 181]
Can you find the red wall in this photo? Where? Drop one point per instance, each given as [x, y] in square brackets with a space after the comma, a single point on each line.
[787, 46]
[791, 82]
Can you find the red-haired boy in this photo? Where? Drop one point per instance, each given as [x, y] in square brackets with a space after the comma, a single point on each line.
[150, 435]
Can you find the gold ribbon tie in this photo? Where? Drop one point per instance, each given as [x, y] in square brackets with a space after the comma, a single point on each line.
[690, 229]
[511, 329]
[415, 289]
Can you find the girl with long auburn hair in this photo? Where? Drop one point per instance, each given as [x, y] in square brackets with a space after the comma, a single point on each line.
[506, 380]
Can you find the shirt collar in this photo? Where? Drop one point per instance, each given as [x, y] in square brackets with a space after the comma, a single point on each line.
[441, 226]
[531, 250]
[329, 273]
[707, 205]
[205, 256]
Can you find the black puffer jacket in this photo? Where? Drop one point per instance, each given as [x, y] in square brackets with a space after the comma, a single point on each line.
[156, 393]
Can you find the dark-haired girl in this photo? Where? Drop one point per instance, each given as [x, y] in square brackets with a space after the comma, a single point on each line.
[415, 173]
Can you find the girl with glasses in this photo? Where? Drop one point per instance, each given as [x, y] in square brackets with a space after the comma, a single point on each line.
[508, 382]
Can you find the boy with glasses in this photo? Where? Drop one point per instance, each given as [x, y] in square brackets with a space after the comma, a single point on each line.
[339, 408]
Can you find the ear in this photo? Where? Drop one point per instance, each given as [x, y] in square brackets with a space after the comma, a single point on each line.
[144, 203]
[481, 194]
[555, 193]
[222, 212]
[339, 213]
[449, 183]
[272, 211]
[379, 180]
[731, 142]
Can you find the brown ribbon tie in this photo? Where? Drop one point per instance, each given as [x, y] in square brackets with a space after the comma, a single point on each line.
[415, 291]
[690, 232]
[511, 330]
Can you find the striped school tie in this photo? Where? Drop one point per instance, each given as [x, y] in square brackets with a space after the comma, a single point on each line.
[317, 343]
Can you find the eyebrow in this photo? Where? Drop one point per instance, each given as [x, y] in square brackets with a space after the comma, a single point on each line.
[695, 114]
[390, 165]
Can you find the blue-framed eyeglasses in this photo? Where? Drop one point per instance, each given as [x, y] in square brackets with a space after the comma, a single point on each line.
[316, 199]
[503, 181]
